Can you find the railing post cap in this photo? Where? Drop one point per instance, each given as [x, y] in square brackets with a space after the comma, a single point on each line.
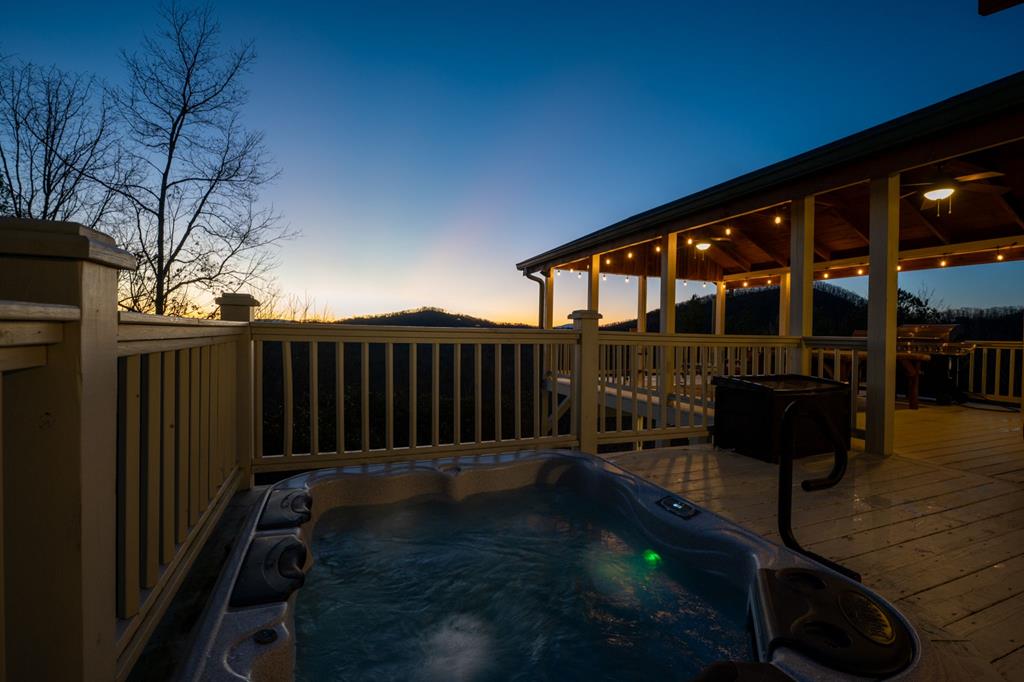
[241, 299]
[585, 315]
[59, 239]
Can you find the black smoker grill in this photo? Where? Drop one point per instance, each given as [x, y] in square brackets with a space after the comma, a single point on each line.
[749, 409]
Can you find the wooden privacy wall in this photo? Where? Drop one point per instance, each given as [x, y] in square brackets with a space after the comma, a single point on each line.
[177, 458]
[334, 394]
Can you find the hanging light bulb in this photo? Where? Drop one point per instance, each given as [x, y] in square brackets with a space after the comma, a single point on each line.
[607, 261]
[860, 271]
[689, 241]
[942, 263]
[579, 275]
[684, 282]
[627, 279]
[558, 273]
[999, 256]
[728, 231]
[899, 268]
[657, 249]
[705, 285]
[825, 275]
[769, 282]
[745, 283]
[778, 220]
[604, 278]
[629, 254]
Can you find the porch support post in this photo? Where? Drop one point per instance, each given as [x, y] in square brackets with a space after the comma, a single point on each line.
[720, 308]
[594, 282]
[585, 397]
[242, 308]
[60, 449]
[641, 303]
[784, 304]
[801, 282]
[669, 244]
[548, 311]
[884, 230]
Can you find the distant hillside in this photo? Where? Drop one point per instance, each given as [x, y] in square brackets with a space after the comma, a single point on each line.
[837, 312]
[427, 317]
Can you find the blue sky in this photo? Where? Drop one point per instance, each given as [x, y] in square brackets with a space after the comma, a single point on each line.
[428, 147]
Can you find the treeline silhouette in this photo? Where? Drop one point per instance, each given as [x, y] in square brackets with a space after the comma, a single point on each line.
[837, 312]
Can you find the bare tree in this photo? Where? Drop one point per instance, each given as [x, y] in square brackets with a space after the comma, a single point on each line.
[58, 150]
[193, 215]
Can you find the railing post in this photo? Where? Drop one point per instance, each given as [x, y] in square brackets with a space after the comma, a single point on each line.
[585, 370]
[242, 308]
[60, 444]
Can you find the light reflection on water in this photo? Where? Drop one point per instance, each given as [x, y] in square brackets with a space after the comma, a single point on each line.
[531, 585]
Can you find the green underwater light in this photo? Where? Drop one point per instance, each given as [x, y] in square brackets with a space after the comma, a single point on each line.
[651, 558]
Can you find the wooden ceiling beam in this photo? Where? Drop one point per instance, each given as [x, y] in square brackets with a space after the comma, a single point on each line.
[938, 230]
[729, 250]
[760, 249]
[841, 210]
[1012, 208]
[719, 255]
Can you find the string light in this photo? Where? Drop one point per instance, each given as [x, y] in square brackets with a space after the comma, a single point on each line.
[769, 282]
[999, 256]
[604, 278]
[860, 271]
[627, 279]
[607, 261]
[728, 231]
[705, 285]
[629, 254]
[657, 249]
[898, 268]
[744, 283]
[689, 241]
[825, 275]
[942, 263]
[579, 275]
[778, 220]
[685, 282]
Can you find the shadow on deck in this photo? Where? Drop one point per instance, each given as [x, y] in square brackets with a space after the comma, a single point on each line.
[938, 528]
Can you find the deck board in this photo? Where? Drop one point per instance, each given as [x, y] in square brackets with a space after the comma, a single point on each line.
[937, 528]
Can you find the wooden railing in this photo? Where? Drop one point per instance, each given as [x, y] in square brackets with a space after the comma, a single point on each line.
[995, 370]
[334, 394]
[26, 330]
[841, 358]
[177, 457]
[655, 386]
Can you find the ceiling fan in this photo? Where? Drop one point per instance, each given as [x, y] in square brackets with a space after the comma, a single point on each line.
[943, 185]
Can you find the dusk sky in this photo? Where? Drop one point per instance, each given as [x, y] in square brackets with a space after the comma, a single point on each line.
[427, 147]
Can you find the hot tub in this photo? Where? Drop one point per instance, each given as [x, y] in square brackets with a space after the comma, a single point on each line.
[540, 565]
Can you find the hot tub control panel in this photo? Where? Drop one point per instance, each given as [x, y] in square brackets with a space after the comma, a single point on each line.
[674, 505]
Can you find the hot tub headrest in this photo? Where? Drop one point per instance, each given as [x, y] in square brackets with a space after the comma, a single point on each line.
[272, 570]
[286, 508]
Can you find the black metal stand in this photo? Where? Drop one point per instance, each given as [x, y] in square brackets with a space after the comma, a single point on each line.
[807, 408]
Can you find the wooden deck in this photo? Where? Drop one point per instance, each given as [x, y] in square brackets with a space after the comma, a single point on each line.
[938, 528]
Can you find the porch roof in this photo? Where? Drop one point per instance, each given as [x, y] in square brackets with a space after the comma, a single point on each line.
[977, 136]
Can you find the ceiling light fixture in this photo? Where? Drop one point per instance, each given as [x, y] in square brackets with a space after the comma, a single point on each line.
[703, 246]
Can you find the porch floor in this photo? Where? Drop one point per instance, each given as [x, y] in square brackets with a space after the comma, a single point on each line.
[938, 528]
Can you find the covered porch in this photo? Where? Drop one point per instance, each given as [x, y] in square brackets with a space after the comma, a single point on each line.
[938, 188]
